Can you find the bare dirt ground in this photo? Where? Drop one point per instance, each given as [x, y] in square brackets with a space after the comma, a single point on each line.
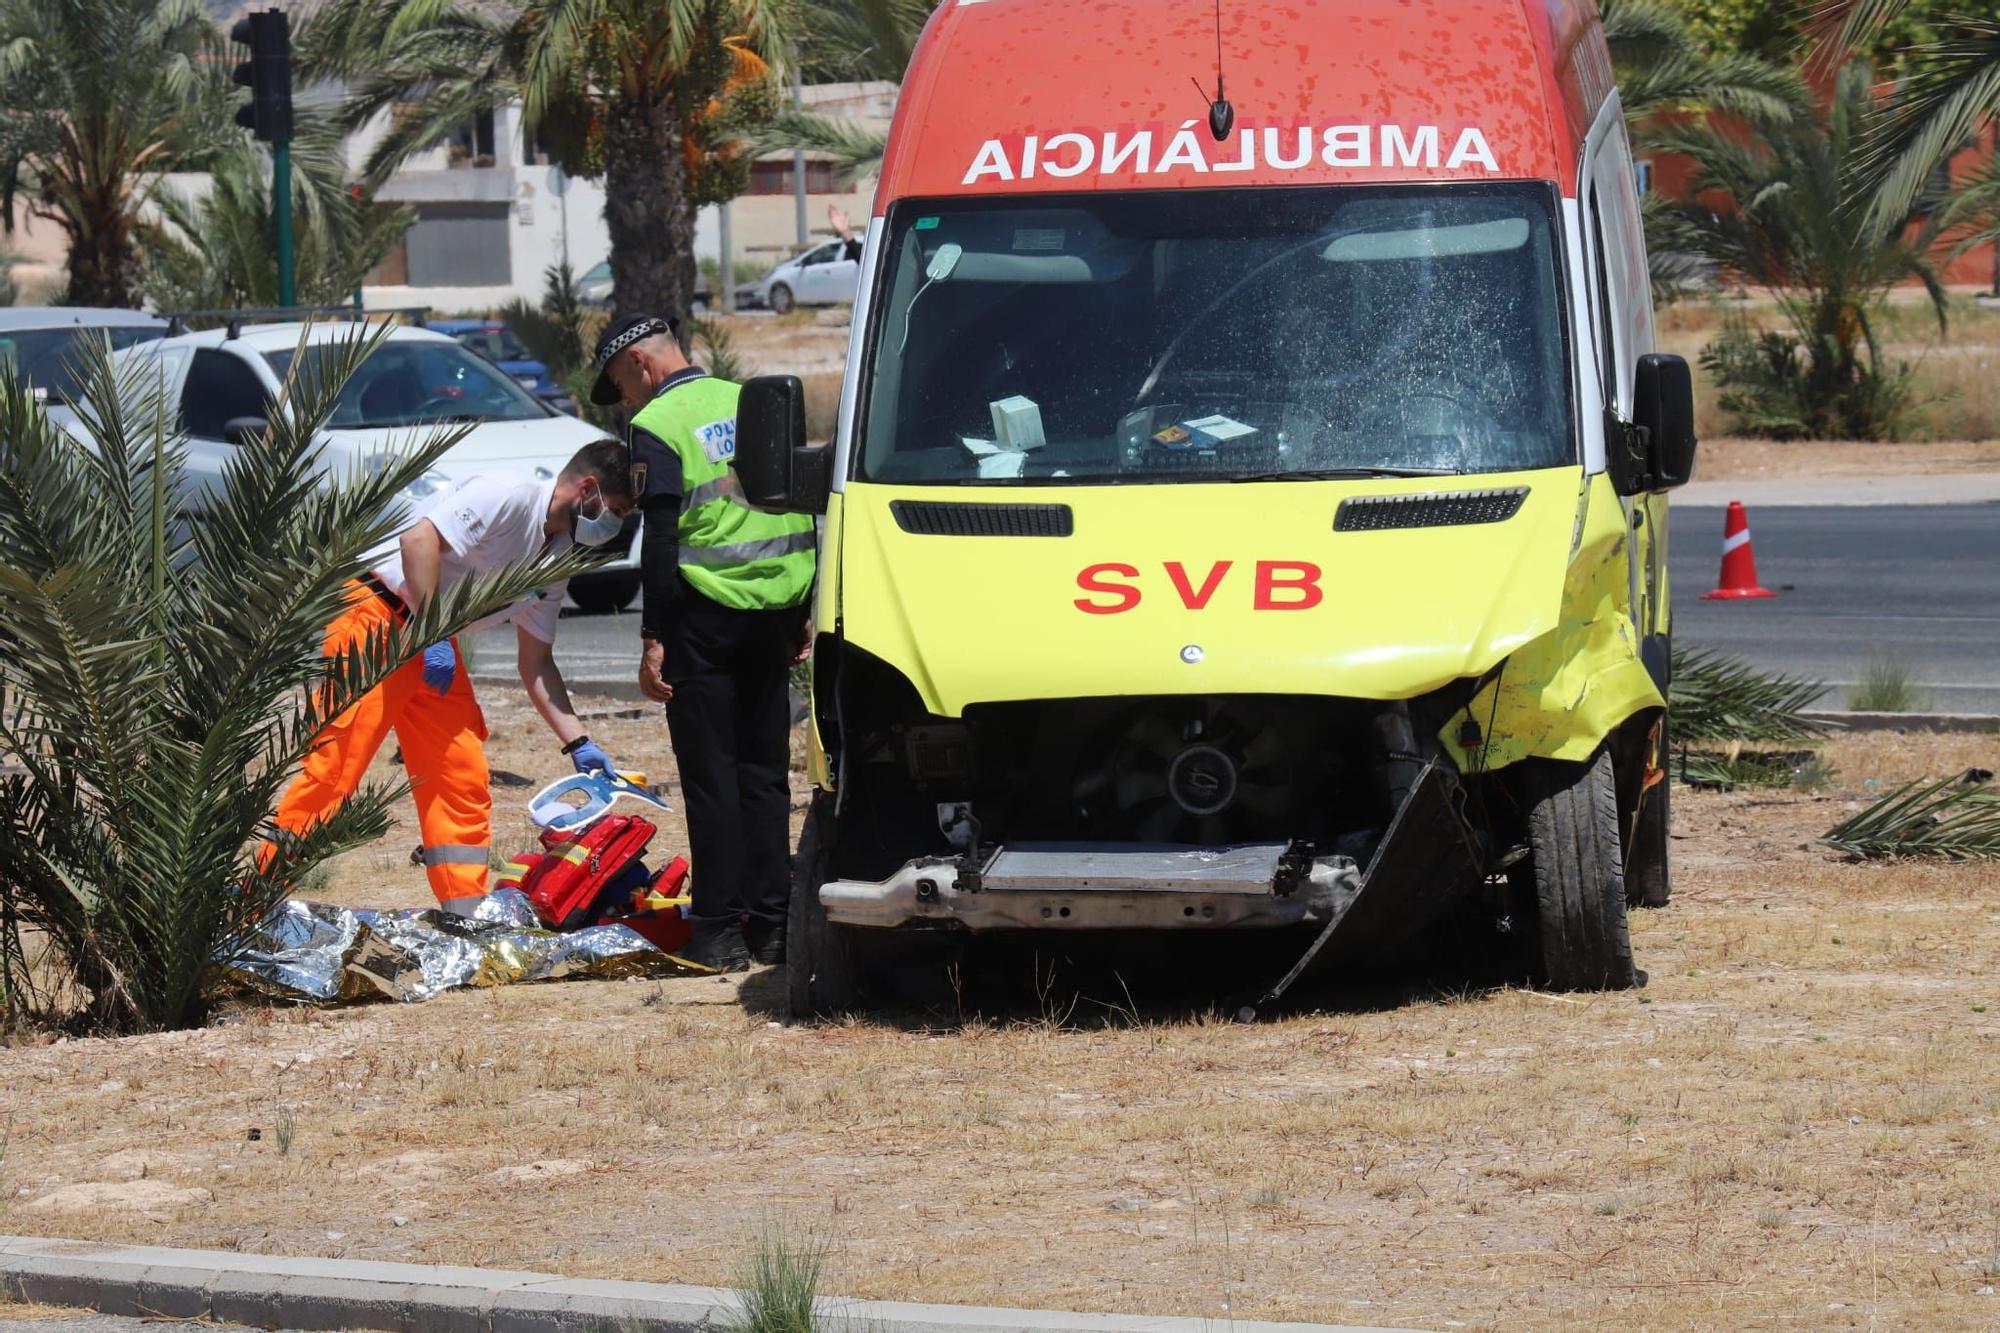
[1795, 1124]
[1754, 460]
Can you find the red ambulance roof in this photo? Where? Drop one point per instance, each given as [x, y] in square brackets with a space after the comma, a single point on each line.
[1026, 96]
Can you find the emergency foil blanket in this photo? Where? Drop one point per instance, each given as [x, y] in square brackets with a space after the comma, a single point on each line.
[324, 954]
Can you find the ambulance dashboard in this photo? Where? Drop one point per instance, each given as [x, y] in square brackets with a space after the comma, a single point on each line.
[1218, 334]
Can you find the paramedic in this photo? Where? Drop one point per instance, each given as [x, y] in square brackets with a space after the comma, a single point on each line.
[481, 524]
[726, 593]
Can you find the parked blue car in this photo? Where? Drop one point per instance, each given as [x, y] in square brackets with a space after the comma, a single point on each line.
[497, 343]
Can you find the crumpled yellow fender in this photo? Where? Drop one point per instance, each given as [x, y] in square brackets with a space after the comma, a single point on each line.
[1560, 695]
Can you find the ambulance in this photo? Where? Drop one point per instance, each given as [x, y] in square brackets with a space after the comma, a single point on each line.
[1248, 507]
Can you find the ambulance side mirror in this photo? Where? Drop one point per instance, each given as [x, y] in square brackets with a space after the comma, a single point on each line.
[1663, 404]
[773, 462]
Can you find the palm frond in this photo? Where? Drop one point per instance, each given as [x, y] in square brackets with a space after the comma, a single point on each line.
[1717, 698]
[1954, 818]
[165, 675]
[1952, 87]
[856, 150]
[864, 39]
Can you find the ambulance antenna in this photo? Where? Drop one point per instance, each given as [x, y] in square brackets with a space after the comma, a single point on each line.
[1221, 115]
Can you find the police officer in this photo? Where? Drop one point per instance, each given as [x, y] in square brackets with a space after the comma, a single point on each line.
[726, 594]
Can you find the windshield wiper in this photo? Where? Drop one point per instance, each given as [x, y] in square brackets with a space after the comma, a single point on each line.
[1348, 473]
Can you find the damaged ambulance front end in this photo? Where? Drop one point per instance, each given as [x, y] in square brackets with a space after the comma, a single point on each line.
[1280, 551]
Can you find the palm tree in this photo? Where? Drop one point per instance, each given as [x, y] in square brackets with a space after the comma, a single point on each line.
[847, 39]
[1661, 67]
[1948, 87]
[624, 88]
[164, 678]
[102, 97]
[221, 251]
[1802, 223]
[861, 39]
[1661, 70]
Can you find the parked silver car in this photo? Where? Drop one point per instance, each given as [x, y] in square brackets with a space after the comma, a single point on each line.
[594, 287]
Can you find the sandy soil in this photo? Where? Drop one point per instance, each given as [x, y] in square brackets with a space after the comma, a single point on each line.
[1794, 1125]
[1753, 460]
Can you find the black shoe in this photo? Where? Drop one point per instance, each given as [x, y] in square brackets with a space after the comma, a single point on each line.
[767, 942]
[720, 947]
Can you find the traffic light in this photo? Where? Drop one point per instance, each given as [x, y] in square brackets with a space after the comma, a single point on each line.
[267, 74]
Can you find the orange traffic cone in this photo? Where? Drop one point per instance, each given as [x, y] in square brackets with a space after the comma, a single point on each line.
[1739, 562]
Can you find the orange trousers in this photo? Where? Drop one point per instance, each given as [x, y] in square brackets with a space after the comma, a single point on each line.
[443, 752]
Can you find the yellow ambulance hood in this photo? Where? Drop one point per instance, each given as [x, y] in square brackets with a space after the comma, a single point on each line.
[1237, 588]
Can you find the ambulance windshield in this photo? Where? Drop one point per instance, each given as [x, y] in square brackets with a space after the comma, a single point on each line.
[1218, 334]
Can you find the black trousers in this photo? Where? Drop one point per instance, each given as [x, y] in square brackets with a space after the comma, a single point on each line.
[730, 720]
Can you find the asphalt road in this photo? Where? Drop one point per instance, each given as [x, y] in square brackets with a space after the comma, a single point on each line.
[1915, 585]
[1919, 585]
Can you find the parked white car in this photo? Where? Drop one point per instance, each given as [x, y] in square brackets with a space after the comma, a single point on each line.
[42, 343]
[223, 386]
[823, 275]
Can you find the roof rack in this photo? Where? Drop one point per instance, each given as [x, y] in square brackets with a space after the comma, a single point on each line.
[236, 317]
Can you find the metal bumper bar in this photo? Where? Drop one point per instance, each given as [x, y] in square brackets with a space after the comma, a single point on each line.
[1097, 886]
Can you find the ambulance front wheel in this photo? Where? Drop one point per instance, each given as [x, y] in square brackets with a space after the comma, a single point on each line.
[1574, 874]
[822, 978]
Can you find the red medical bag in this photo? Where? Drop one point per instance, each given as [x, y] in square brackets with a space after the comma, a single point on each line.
[595, 877]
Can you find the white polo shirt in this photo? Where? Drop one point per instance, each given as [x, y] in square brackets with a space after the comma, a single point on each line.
[488, 522]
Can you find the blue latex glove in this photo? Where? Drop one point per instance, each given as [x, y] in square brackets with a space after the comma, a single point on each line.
[588, 757]
[440, 666]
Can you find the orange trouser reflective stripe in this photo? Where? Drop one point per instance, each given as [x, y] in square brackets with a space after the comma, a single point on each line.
[443, 752]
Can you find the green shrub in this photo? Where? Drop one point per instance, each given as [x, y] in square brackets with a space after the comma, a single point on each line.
[1776, 389]
[778, 1287]
[1885, 687]
[163, 679]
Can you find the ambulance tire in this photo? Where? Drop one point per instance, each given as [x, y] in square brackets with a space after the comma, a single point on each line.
[1648, 882]
[781, 299]
[821, 958]
[1576, 873]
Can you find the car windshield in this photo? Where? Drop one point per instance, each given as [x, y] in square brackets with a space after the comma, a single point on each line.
[49, 360]
[1219, 334]
[409, 383]
[497, 344]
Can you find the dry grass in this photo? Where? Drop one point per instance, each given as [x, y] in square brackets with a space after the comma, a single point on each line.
[18, 1312]
[1795, 1124]
[1958, 372]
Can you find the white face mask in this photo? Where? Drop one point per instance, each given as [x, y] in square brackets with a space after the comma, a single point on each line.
[599, 528]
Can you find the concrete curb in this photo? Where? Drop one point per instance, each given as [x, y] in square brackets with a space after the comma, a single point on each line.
[278, 1292]
[1852, 721]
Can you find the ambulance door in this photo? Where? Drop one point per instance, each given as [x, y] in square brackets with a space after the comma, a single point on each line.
[1622, 314]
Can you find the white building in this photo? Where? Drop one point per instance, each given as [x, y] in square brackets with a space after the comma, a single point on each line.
[493, 213]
